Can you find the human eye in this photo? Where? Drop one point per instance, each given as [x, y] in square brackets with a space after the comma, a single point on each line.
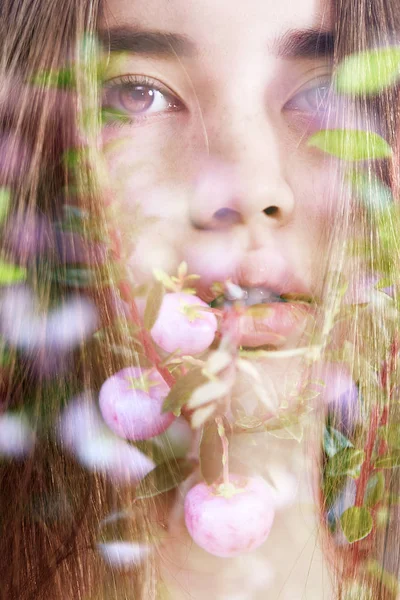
[313, 99]
[130, 99]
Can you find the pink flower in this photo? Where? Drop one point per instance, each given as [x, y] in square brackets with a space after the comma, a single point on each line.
[82, 431]
[17, 438]
[22, 324]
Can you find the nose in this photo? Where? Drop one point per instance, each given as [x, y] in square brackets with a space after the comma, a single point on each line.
[242, 178]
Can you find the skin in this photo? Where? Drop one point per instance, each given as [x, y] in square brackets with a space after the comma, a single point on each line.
[217, 172]
[225, 179]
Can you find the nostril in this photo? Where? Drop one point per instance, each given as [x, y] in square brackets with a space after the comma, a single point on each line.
[271, 211]
[227, 216]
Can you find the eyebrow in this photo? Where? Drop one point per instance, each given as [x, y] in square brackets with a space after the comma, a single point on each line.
[153, 43]
[305, 43]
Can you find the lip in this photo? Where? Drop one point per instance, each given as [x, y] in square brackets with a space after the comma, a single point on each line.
[273, 323]
[277, 324]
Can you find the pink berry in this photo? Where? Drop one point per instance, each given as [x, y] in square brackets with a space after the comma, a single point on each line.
[229, 520]
[130, 402]
[180, 327]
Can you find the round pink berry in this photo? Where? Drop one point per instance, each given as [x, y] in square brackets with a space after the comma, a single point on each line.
[130, 402]
[229, 520]
[180, 326]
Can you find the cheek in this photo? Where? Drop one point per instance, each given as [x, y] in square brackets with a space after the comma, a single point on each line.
[154, 154]
[317, 219]
[151, 166]
[157, 248]
[317, 182]
[150, 186]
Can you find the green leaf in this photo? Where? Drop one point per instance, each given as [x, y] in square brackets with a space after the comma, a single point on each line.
[165, 279]
[203, 414]
[374, 194]
[368, 72]
[88, 47]
[391, 434]
[164, 477]
[332, 486]
[154, 451]
[209, 392]
[61, 79]
[294, 431]
[389, 461]
[374, 569]
[113, 115]
[75, 157]
[217, 361]
[334, 441]
[385, 282]
[5, 197]
[153, 304]
[11, 273]
[247, 422]
[182, 391]
[346, 462]
[182, 270]
[74, 220]
[76, 278]
[356, 523]
[375, 490]
[357, 591]
[351, 144]
[210, 453]
[5, 358]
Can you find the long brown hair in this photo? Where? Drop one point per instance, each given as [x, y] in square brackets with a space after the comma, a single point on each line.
[51, 506]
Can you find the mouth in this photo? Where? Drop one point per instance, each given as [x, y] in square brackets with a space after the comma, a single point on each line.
[268, 319]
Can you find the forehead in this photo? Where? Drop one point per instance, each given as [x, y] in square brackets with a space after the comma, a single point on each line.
[216, 22]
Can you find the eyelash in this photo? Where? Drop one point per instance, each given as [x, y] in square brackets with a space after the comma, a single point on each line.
[294, 103]
[116, 117]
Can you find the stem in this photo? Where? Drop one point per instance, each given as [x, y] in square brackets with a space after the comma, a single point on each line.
[145, 338]
[116, 244]
[367, 468]
[388, 368]
[225, 448]
[366, 471]
[383, 446]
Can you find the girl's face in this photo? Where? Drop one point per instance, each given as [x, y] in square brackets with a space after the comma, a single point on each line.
[208, 109]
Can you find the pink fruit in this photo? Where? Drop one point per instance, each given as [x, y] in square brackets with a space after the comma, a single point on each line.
[227, 520]
[130, 402]
[180, 327]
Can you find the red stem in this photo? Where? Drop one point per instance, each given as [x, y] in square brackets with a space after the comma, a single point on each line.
[388, 368]
[116, 244]
[367, 468]
[145, 338]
